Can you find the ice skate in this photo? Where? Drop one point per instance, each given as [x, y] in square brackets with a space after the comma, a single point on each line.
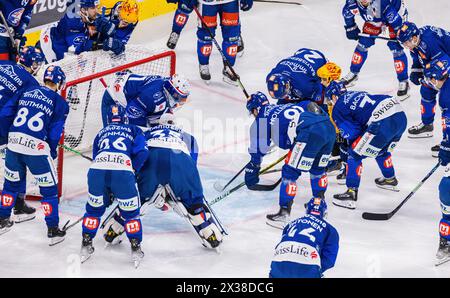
[403, 90]
[420, 131]
[114, 233]
[87, 249]
[387, 183]
[280, 219]
[5, 225]
[443, 253]
[347, 199]
[23, 212]
[228, 76]
[350, 79]
[136, 252]
[342, 177]
[240, 47]
[204, 73]
[435, 150]
[55, 236]
[334, 168]
[173, 39]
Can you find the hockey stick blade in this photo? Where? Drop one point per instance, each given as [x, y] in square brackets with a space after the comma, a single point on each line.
[376, 216]
[262, 187]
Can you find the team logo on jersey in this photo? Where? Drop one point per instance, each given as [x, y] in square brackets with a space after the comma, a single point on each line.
[399, 66]
[291, 189]
[7, 200]
[90, 223]
[15, 16]
[134, 112]
[133, 227]
[388, 162]
[180, 19]
[444, 229]
[47, 208]
[78, 40]
[206, 50]
[357, 58]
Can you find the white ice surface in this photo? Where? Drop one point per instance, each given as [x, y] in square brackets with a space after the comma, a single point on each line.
[404, 246]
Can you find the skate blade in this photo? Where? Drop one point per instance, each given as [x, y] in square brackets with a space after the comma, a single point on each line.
[230, 82]
[435, 155]
[110, 245]
[443, 261]
[136, 261]
[345, 204]
[23, 218]
[5, 230]
[334, 172]
[421, 136]
[403, 97]
[276, 224]
[241, 53]
[54, 241]
[341, 181]
[388, 187]
[84, 258]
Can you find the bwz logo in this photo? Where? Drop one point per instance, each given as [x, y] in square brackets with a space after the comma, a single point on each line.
[7, 200]
[47, 208]
[133, 226]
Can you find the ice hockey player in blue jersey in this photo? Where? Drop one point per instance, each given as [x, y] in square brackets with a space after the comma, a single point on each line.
[296, 78]
[309, 245]
[373, 126]
[72, 33]
[425, 44]
[18, 16]
[14, 80]
[145, 98]
[304, 129]
[118, 152]
[37, 118]
[436, 75]
[228, 10]
[379, 16]
[170, 179]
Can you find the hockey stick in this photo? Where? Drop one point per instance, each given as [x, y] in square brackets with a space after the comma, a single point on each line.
[67, 226]
[227, 193]
[376, 37]
[219, 188]
[386, 216]
[13, 43]
[76, 152]
[225, 60]
[278, 2]
[262, 187]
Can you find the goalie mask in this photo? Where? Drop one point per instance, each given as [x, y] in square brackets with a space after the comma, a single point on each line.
[177, 90]
[329, 72]
[129, 12]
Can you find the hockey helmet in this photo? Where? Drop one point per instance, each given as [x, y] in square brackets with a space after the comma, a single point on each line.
[117, 114]
[56, 75]
[129, 11]
[32, 58]
[89, 3]
[317, 207]
[330, 72]
[279, 86]
[335, 88]
[407, 31]
[256, 101]
[177, 88]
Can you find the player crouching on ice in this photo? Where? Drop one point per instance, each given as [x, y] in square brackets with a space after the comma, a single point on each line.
[118, 152]
[373, 125]
[437, 75]
[37, 120]
[170, 178]
[146, 98]
[309, 245]
[304, 129]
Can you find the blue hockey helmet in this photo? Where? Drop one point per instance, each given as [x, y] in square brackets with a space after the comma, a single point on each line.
[437, 69]
[32, 58]
[89, 3]
[335, 88]
[117, 114]
[317, 207]
[177, 88]
[278, 85]
[256, 101]
[56, 75]
[407, 31]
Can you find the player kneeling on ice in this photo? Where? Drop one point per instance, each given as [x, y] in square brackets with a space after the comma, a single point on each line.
[15, 79]
[373, 125]
[170, 178]
[37, 120]
[146, 98]
[437, 75]
[304, 129]
[309, 245]
[118, 151]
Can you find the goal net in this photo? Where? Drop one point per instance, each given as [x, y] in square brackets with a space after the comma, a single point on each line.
[84, 91]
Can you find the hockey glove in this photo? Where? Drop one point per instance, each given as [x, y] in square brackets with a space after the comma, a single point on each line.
[189, 3]
[252, 173]
[444, 153]
[416, 76]
[104, 26]
[352, 32]
[114, 45]
[246, 5]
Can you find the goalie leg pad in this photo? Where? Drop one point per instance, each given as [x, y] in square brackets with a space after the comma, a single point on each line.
[201, 219]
